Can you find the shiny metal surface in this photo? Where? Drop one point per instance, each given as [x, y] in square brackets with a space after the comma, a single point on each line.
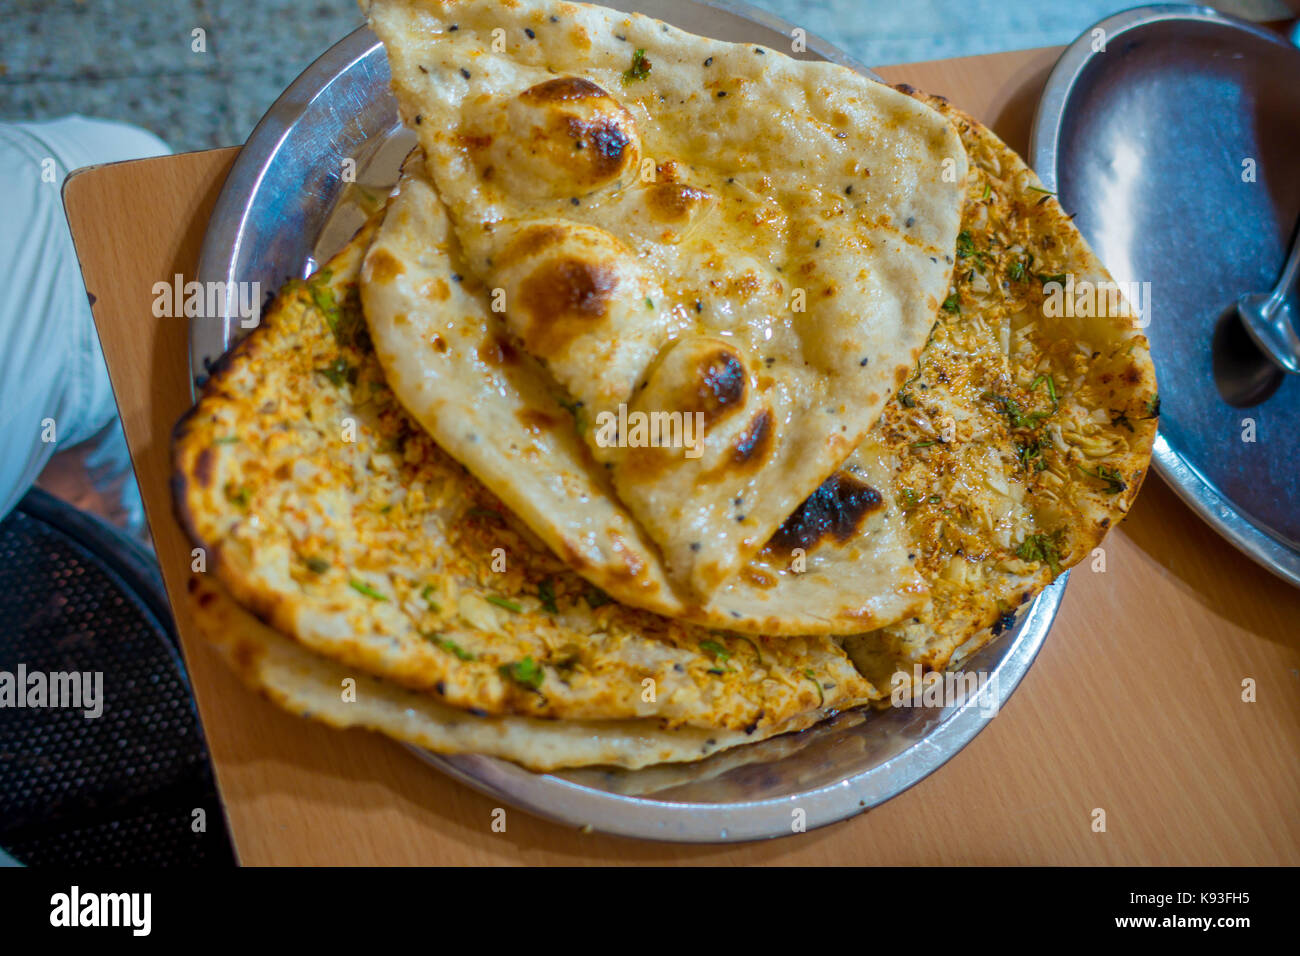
[1270, 317]
[285, 207]
[1174, 146]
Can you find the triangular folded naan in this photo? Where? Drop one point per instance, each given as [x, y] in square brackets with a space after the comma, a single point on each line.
[839, 565]
[678, 226]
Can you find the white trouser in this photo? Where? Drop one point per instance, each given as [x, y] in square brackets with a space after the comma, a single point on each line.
[54, 388]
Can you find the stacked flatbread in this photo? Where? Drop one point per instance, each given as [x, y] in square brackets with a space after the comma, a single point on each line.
[422, 472]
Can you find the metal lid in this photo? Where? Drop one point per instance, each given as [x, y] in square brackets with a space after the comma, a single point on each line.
[1170, 131]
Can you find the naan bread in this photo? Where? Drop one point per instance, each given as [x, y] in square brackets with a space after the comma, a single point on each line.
[675, 225]
[1024, 435]
[334, 517]
[312, 686]
[438, 340]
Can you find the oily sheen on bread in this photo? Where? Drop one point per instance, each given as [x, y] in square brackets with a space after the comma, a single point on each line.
[841, 566]
[675, 225]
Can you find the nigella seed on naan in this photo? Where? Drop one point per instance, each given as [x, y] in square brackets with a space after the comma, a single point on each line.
[631, 212]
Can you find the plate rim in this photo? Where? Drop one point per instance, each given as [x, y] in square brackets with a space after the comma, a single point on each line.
[580, 806]
[1194, 489]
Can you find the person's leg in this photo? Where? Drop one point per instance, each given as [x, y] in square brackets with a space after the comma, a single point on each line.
[54, 387]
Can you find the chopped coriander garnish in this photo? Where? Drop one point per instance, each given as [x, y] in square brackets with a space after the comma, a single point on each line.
[363, 588]
[1042, 549]
[1153, 406]
[506, 603]
[238, 496]
[427, 593]
[546, 594]
[227, 440]
[317, 565]
[1040, 189]
[1031, 456]
[924, 444]
[1051, 388]
[639, 70]
[595, 598]
[952, 303]
[447, 644]
[909, 499]
[1114, 481]
[338, 372]
[720, 653]
[1018, 418]
[1017, 271]
[527, 673]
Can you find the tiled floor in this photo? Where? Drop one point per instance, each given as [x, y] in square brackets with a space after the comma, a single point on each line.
[134, 60]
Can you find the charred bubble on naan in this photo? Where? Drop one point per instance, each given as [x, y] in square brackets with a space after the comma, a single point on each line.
[306, 684]
[333, 516]
[1026, 429]
[839, 565]
[673, 224]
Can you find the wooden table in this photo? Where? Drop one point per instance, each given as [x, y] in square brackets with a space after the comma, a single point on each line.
[1133, 706]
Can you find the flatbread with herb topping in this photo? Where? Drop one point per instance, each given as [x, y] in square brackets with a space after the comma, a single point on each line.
[306, 684]
[334, 517]
[1026, 430]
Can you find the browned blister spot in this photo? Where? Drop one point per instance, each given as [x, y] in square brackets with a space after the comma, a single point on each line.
[498, 352]
[565, 299]
[436, 289]
[599, 148]
[383, 266]
[203, 467]
[835, 509]
[577, 134]
[530, 242]
[563, 89]
[535, 421]
[755, 442]
[674, 202]
[719, 387]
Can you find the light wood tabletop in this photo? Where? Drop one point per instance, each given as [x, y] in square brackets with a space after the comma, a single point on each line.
[1134, 705]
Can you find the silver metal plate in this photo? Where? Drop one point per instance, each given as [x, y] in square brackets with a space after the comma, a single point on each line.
[285, 207]
[1152, 143]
